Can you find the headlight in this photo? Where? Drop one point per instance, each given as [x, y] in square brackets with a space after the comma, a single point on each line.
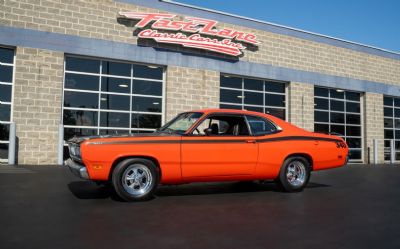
[74, 150]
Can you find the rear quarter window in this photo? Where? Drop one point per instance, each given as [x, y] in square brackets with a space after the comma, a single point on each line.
[260, 126]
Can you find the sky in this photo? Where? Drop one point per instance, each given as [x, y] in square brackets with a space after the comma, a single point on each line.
[370, 22]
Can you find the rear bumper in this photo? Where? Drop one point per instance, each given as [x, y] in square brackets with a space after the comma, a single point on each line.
[77, 169]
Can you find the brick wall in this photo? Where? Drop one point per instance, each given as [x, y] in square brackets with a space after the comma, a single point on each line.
[37, 104]
[373, 123]
[98, 19]
[189, 89]
[301, 105]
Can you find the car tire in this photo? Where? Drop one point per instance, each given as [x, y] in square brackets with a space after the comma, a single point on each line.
[135, 179]
[294, 174]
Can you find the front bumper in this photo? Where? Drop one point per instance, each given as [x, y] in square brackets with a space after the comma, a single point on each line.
[77, 169]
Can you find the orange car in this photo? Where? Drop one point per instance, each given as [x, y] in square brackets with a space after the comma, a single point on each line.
[204, 146]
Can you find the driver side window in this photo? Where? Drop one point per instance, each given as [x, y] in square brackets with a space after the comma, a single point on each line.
[221, 125]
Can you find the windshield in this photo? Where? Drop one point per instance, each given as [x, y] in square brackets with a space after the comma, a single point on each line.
[181, 123]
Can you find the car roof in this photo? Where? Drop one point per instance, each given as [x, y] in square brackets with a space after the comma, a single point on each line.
[216, 110]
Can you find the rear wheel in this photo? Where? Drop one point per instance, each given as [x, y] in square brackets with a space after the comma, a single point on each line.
[294, 174]
[135, 179]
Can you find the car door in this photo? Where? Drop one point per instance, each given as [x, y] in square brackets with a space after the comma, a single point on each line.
[229, 150]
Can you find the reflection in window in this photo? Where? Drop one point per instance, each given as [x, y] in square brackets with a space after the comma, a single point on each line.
[338, 112]
[253, 95]
[109, 97]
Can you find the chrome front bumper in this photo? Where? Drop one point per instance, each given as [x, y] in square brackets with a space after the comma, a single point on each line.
[77, 169]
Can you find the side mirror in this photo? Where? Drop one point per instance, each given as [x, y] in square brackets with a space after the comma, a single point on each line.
[208, 131]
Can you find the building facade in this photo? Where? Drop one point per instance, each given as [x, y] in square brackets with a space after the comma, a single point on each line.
[101, 67]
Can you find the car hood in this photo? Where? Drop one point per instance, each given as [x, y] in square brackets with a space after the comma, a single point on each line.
[79, 140]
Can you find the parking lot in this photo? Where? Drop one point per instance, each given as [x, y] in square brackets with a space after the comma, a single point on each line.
[353, 207]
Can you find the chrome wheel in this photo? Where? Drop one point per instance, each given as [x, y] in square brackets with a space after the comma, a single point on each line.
[296, 173]
[137, 180]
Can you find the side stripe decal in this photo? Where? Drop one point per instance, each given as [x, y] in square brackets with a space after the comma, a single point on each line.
[198, 141]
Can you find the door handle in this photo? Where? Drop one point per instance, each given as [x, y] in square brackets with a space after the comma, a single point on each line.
[316, 142]
[252, 141]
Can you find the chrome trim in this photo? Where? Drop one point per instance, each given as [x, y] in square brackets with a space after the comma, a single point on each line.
[77, 169]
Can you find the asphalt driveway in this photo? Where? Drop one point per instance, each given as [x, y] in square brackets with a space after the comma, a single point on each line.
[353, 207]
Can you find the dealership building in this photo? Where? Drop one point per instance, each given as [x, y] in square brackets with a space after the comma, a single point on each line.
[127, 66]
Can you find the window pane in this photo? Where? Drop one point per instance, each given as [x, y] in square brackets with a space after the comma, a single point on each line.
[79, 132]
[353, 142]
[337, 105]
[254, 109]
[235, 107]
[388, 101]
[5, 93]
[150, 72]
[353, 96]
[5, 112]
[337, 94]
[274, 87]
[352, 107]
[114, 119]
[114, 102]
[280, 113]
[337, 117]
[147, 87]
[274, 100]
[232, 82]
[396, 102]
[353, 131]
[116, 68]
[6, 73]
[323, 128]
[355, 154]
[339, 129]
[397, 113]
[397, 134]
[146, 104]
[252, 84]
[4, 132]
[353, 119]
[322, 92]
[259, 126]
[253, 98]
[388, 112]
[82, 65]
[80, 118]
[321, 104]
[146, 121]
[81, 99]
[7, 55]
[109, 84]
[388, 134]
[4, 151]
[82, 82]
[397, 123]
[388, 122]
[321, 116]
[230, 96]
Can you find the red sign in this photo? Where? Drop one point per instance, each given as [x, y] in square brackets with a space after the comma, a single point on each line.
[230, 42]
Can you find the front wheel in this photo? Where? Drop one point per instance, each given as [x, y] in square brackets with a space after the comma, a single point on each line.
[135, 179]
[294, 174]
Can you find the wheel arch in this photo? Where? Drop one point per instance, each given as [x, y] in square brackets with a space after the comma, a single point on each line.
[307, 156]
[122, 158]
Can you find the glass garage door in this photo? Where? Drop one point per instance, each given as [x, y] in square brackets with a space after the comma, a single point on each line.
[253, 94]
[338, 111]
[110, 97]
[6, 82]
[391, 112]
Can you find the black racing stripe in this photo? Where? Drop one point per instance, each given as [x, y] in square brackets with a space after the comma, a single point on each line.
[298, 138]
[198, 141]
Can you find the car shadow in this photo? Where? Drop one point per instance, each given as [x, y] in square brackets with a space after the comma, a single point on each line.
[91, 190]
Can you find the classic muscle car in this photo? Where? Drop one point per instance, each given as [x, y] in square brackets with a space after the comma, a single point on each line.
[203, 146]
